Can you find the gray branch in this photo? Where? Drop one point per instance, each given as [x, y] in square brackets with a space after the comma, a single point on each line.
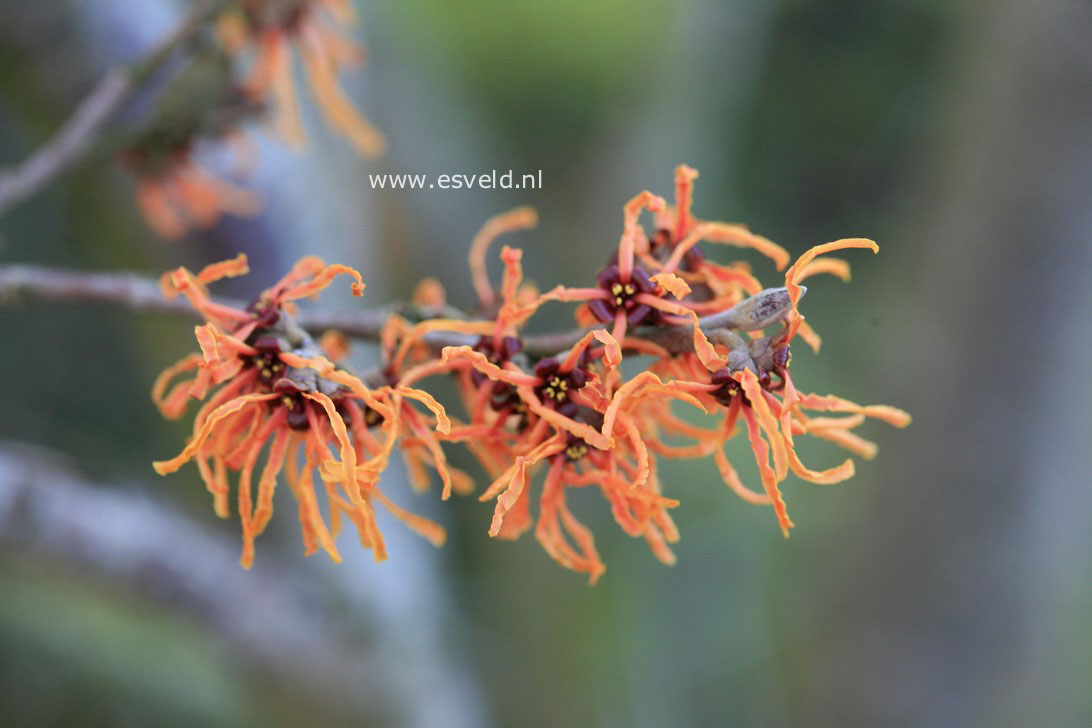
[296, 623]
[78, 134]
[138, 293]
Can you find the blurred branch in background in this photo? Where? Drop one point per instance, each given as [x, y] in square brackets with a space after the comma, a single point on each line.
[123, 537]
[77, 135]
[290, 623]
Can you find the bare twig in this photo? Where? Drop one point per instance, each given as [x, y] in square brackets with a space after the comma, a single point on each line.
[77, 135]
[137, 293]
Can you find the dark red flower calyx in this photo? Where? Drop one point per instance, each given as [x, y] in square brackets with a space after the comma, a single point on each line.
[575, 448]
[621, 295]
[499, 355]
[267, 314]
[267, 361]
[782, 356]
[503, 395]
[663, 242]
[372, 418]
[291, 398]
[728, 389]
[557, 386]
[509, 347]
[391, 375]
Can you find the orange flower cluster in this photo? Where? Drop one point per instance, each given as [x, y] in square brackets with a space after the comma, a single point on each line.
[181, 195]
[207, 102]
[267, 30]
[559, 404]
[267, 384]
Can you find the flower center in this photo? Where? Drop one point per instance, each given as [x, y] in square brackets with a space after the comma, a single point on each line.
[268, 365]
[557, 386]
[576, 450]
[504, 396]
[729, 389]
[265, 313]
[292, 399]
[267, 361]
[621, 295]
[297, 410]
[372, 417]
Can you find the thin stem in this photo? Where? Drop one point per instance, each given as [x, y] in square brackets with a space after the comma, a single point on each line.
[138, 293]
[78, 134]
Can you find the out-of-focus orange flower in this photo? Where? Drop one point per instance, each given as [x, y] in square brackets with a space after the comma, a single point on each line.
[179, 195]
[269, 29]
[429, 294]
[198, 108]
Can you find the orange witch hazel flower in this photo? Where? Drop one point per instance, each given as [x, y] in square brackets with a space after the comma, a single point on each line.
[268, 30]
[576, 416]
[199, 109]
[732, 367]
[179, 195]
[552, 414]
[746, 376]
[267, 386]
[560, 406]
[656, 279]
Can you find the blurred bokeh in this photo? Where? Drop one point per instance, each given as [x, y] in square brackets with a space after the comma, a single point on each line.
[948, 583]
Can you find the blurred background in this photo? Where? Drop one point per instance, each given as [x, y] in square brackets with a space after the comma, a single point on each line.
[948, 583]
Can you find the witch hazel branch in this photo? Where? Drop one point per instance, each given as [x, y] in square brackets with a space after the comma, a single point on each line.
[276, 402]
